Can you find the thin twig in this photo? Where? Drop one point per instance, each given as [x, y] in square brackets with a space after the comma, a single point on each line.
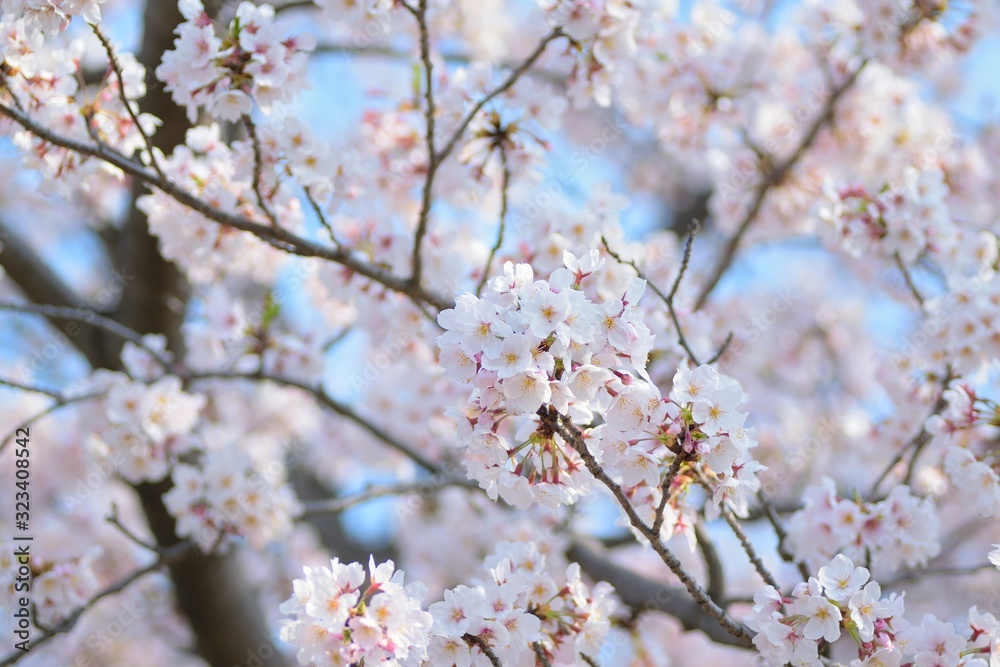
[668, 299]
[917, 575]
[36, 389]
[668, 481]
[47, 411]
[782, 534]
[771, 179]
[430, 113]
[748, 547]
[722, 349]
[258, 169]
[117, 69]
[435, 158]
[115, 521]
[909, 280]
[504, 185]
[337, 505]
[917, 442]
[507, 83]
[321, 215]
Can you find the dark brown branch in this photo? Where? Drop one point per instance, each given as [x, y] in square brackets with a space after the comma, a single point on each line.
[716, 577]
[478, 642]
[571, 434]
[782, 534]
[276, 237]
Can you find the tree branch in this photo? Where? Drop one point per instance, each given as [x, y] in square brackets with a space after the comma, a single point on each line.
[337, 505]
[782, 533]
[258, 168]
[917, 442]
[39, 283]
[430, 112]
[571, 434]
[278, 237]
[332, 404]
[504, 185]
[771, 179]
[478, 642]
[643, 594]
[90, 318]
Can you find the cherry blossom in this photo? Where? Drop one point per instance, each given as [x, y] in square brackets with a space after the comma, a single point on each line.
[602, 317]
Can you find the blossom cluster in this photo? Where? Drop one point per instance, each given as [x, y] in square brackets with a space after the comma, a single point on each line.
[146, 427]
[517, 606]
[228, 494]
[841, 598]
[337, 620]
[961, 323]
[902, 528]
[518, 611]
[527, 344]
[46, 82]
[604, 33]
[61, 587]
[910, 33]
[204, 165]
[48, 17]
[906, 220]
[545, 349]
[236, 337]
[251, 62]
[965, 428]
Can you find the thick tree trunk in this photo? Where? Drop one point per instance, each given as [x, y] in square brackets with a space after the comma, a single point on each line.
[222, 610]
